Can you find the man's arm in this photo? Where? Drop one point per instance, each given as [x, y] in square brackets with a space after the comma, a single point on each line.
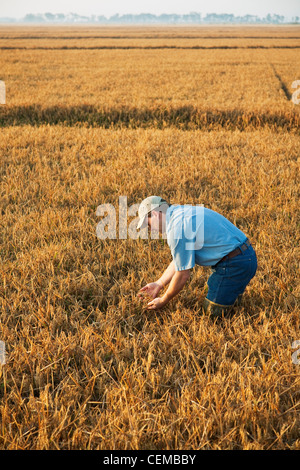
[177, 282]
[167, 275]
[153, 288]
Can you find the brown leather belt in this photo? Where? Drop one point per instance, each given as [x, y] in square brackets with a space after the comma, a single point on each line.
[237, 251]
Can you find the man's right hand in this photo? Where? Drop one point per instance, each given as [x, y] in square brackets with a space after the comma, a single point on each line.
[152, 289]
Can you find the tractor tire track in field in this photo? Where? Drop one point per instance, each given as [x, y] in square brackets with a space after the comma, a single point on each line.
[282, 84]
[184, 117]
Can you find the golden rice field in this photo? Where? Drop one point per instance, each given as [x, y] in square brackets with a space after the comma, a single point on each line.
[197, 115]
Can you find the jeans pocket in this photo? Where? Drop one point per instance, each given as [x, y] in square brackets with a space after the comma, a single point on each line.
[242, 272]
[222, 271]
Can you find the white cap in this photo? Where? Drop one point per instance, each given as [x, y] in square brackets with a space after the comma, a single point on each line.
[148, 205]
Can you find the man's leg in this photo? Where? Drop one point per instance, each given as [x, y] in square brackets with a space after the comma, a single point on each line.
[227, 283]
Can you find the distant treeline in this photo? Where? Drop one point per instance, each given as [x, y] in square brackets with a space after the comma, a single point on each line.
[147, 18]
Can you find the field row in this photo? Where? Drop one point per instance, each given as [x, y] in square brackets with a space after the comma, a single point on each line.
[150, 32]
[236, 43]
[149, 38]
[257, 80]
[183, 117]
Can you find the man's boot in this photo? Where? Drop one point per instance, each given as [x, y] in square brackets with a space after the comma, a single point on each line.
[216, 310]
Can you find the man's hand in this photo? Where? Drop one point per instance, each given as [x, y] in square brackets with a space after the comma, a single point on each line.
[156, 303]
[151, 289]
[178, 280]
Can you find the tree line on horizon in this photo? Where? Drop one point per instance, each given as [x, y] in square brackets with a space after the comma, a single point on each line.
[148, 18]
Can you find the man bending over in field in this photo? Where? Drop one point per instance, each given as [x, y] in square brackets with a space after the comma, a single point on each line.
[197, 235]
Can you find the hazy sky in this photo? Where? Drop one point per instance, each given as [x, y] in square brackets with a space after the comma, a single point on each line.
[19, 8]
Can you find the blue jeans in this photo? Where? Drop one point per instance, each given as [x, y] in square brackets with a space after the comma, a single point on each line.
[230, 278]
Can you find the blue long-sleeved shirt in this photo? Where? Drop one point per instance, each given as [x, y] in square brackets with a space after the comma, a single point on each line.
[197, 235]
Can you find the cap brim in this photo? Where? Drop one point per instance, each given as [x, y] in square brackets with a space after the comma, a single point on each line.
[141, 223]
